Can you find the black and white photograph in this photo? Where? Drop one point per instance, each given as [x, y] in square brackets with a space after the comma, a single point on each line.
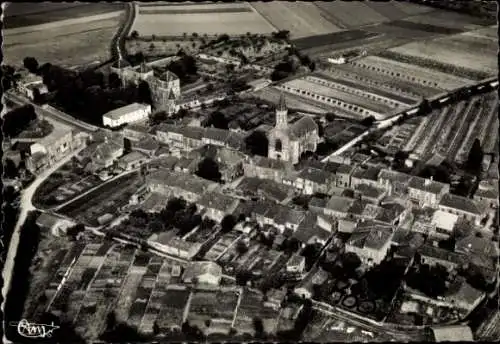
[250, 171]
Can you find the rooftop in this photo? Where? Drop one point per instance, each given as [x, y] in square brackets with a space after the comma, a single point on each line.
[460, 203]
[369, 191]
[59, 130]
[270, 163]
[371, 236]
[316, 175]
[431, 251]
[216, 201]
[444, 220]
[394, 176]
[124, 110]
[455, 333]
[339, 203]
[132, 157]
[432, 186]
[303, 126]
[345, 169]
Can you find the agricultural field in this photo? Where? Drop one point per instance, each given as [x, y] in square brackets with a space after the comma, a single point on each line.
[456, 51]
[62, 40]
[302, 19]
[27, 14]
[212, 19]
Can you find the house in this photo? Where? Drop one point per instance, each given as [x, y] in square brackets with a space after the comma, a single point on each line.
[296, 264]
[230, 161]
[311, 180]
[365, 175]
[482, 253]
[369, 193]
[175, 247]
[426, 191]
[339, 206]
[370, 241]
[208, 273]
[461, 206]
[344, 173]
[443, 223]
[217, 205]
[277, 215]
[453, 333]
[147, 146]
[135, 132]
[176, 184]
[134, 112]
[265, 168]
[392, 214]
[313, 229]
[395, 183]
[50, 148]
[30, 84]
[131, 161]
[104, 154]
[275, 298]
[432, 255]
[487, 194]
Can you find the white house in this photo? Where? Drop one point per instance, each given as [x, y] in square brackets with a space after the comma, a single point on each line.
[127, 114]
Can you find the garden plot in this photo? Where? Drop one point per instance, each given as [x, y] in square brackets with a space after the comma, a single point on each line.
[450, 19]
[173, 304]
[213, 305]
[62, 41]
[411, 73]
[222, 245]
[212, 19]
[447, 51]
[302, 19]
[251, 306]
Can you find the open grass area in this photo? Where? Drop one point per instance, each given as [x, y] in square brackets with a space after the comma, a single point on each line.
[68, 42]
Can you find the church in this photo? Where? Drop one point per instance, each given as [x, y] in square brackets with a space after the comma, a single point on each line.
[288, 141]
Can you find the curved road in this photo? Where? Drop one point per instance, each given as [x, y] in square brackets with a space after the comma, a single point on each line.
[25, 207]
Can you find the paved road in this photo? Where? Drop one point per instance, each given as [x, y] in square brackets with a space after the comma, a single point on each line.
[25, 207]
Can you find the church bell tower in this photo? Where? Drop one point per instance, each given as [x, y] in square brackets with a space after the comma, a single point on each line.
[281, 113]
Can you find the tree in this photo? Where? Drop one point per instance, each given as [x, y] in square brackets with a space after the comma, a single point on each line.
[144, 93]
[242, 277]
[475, 157]
[10, 169]
[351, 261]
[209, 169]
[368, 121]
[241, 248]
[330, 117]
[31, 64]
[218, 120]
[110, 320]
[134, 34]
[228, 223]
[257, 143]
[156, 328]
[258, 326]
[75, 230]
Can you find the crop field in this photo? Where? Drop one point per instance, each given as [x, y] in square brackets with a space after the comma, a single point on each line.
[210, 19]
[415, 74]
[456, 51]
[26, 14]
[452, 20]
[302, 19]
[251, 306]
[213, 305]
[337, 39]
[62, 41]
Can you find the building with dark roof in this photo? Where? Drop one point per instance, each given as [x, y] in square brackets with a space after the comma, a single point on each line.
[396, 183]
[288, 142]
[217, 205]
[461, 206]
[312, 180]
[370, 241]
[265, 168]
[426, 191]
[433, 255]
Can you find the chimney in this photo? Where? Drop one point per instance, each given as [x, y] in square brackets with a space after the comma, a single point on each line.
[435, 243]
[427, 182]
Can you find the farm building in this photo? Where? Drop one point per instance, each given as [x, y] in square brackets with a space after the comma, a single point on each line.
[127, 114]
[202, 273]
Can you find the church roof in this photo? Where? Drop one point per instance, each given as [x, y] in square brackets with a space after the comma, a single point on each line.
[168, 76]
[303, 126]
[282, 103]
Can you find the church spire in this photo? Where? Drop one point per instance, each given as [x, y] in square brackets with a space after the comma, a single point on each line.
[282, 103]
[281, 113]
